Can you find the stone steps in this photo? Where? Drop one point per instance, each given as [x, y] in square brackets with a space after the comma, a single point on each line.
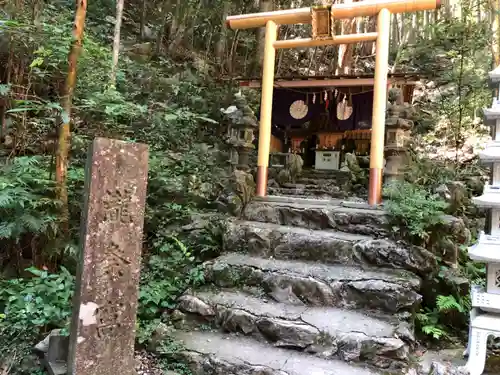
[320, 181]
[327, 246]
[324, 331]
[216, 353]
[326, 174]
[391, 291]
[346, 216]
[307, 191]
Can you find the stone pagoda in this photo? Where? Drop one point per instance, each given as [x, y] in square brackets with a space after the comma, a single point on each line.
[398, 125]
[485, 313]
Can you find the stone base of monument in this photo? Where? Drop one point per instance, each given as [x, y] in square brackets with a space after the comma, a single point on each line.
[55, 368]
[54, 353]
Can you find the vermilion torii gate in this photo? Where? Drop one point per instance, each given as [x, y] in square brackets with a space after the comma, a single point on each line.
[322, 19]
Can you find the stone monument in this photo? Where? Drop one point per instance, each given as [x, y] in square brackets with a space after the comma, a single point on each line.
[105, 303]
[485, 313]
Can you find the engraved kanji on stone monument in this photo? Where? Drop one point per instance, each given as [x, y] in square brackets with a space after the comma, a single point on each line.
[105, 303]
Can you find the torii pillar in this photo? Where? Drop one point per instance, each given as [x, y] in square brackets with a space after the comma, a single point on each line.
[322, 19]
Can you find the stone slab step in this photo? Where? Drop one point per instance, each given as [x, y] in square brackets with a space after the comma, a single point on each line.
[215, 353]
[341, 176]
[328, 246]
[303, 191]
[347, 216]
[323, 181]
[318, 284]
[324, 331]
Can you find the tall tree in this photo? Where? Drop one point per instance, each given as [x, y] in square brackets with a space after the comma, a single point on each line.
[264, 6]
[116, 41]
[64, 130]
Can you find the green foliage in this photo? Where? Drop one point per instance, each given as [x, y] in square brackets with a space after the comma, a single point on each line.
[431, 173]
[30, 307]
[436, 322]
[458, 58]
[26, 200]
[40, 301]
[414, 211]
[168, 272]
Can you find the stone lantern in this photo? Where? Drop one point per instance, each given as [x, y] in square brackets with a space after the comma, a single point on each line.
[398, 129]
[240, 132]
[485, 313]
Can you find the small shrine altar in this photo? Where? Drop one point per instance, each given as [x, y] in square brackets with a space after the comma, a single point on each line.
[323, 118]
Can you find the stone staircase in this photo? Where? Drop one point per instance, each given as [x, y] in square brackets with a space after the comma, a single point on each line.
[305, 287]
[317, 184]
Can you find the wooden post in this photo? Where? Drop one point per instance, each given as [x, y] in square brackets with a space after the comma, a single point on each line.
[379, 107]
[340, 11]
[266, 107]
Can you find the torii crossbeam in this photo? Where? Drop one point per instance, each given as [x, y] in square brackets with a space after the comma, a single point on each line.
[322, 19]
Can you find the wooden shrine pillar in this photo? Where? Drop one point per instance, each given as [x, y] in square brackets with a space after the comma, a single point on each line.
[266, 107]
[379, 107]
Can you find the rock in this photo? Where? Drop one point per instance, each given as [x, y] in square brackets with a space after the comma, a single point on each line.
[284, 176]
[239, 193]
[456, 281]
[386, 253]
[140, 52]
[160, 334]
[320, 285]
[285, 295]
[475, 185]
[217, 354]
[443, 191]
[287, 334]
[324, 332]
[284, 242]
[320, 215]
[43, 346]
[178, 319]
[352, 163]
[447, 238]
[294, 166]
[438, 368]
[193, 305]
[235, 320]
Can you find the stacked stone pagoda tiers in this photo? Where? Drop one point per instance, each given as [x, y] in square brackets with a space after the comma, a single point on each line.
[398, 128]
[242, 124]
[485, 313]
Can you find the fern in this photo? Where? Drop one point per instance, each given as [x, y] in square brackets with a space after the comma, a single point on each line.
[27, 206]
[414, 209]
[434, 331]
[447, 303]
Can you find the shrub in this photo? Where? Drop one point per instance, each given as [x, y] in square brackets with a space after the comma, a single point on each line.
[413, 210]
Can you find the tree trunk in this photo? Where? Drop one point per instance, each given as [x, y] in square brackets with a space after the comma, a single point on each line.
[264, 6]
[116, 41]
[64, 131]
[220, 47]
[162, 33]
[144, 13]
[495, 15]
[4, 102]
[37, 12]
